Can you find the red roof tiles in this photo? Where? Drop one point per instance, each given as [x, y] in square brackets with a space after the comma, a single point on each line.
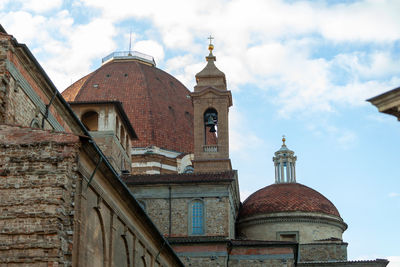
[156, 103]
[286, 197]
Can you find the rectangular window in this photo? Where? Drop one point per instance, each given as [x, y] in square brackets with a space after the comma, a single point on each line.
[288, 236]
[197, 218]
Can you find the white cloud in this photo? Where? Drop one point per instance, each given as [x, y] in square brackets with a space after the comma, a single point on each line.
[394, 261]
[3, 3]
[365, 21]
[344, 138]
[40, 6]
[240, 140]
[28, 32]
[393, 194]
[266, 43]
[150, 47]
[184, 69]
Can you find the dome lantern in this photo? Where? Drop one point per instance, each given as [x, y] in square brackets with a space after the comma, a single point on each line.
[285, 164]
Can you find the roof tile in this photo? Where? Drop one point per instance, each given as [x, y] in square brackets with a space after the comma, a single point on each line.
[156, 103]
[286, 197]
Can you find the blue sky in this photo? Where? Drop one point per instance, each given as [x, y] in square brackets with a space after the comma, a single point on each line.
[299, 68]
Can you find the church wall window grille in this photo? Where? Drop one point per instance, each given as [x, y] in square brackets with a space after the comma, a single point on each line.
[197, 217]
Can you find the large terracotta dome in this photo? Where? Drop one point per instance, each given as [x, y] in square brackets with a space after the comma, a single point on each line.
[156, 103]
[286, 197]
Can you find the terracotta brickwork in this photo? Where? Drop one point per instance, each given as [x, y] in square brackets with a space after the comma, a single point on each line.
[211, 95]
[17, 80]
[287, 197]
[37, 181]
[61, 201]
[155, 102]
[5, 77]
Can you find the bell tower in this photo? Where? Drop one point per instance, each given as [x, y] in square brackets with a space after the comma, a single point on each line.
[211, 102]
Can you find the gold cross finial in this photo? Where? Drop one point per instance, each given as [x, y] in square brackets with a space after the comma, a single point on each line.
[210, 38]
[210, 46]
[283, 139]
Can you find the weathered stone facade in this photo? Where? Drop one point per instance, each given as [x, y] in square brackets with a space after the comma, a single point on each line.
[323, 251]
[308, 227]
[61, 201]
[38, 175]
[110, 128]
[211, 102]
[169, 205]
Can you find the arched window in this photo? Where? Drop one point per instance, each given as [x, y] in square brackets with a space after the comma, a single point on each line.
[210, 127]
[197, 217]
[91, 120]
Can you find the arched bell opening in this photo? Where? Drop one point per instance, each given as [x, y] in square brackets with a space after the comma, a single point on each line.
[91, 120]
[211, 127]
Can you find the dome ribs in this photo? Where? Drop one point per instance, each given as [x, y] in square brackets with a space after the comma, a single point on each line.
[287, 197]
[156, 103]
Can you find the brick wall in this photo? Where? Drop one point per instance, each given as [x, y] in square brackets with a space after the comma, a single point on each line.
[37, 181]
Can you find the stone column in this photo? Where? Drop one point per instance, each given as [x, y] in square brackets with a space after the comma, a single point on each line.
[288, 172]
[294, 171]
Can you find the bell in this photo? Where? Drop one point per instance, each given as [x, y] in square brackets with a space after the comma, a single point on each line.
[210, 122]
[212, 129]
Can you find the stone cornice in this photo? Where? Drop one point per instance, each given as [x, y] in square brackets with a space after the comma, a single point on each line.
[307, 218]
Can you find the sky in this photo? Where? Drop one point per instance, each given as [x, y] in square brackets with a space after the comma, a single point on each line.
[299, 68]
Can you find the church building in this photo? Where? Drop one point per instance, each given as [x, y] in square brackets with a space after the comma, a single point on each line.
[127, 167]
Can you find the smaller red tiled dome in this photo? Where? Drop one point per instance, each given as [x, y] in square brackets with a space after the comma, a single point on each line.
[286, 197]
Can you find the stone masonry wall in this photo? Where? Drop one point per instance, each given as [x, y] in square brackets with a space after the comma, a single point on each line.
[4, 78]
[216, 215]
[323, 251]
[37, 181]
[261, 263]
[15, 105]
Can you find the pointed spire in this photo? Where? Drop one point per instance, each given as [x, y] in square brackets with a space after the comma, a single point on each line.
[285, 164]
[210, 75]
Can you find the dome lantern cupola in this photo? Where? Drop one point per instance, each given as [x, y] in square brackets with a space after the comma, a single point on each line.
[285, 165]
